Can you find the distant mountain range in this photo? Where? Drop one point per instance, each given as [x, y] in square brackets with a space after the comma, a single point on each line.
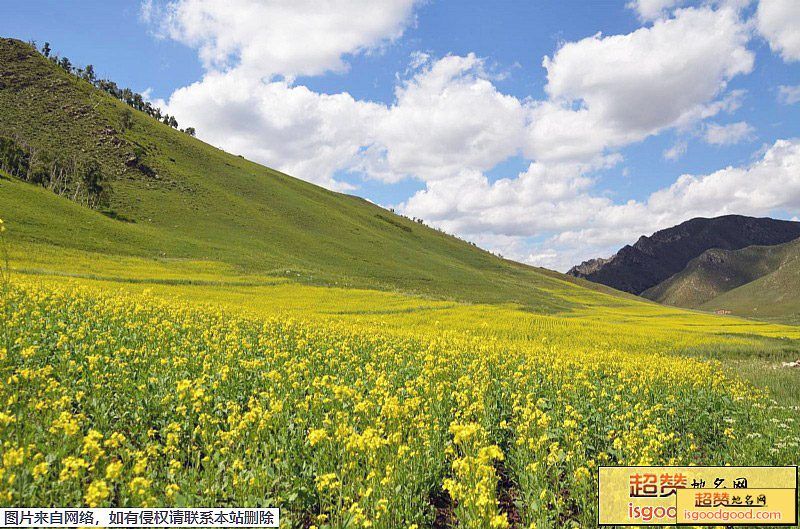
[711, 264]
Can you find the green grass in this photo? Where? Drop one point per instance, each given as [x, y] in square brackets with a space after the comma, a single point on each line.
[783, 382]
[761, 363]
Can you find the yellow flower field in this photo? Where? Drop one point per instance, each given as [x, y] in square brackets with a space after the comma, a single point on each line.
[371, 418]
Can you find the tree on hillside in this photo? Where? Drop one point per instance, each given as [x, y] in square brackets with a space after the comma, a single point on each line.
[41, 168]
[65, 64]
[62, 168]
[109, 87]
[190, 131]
[88, 73]
[127, 96]
[126, 119]
[91, 182]
[13, 158]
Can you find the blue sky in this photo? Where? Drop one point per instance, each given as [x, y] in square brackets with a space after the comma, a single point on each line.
[445, 110]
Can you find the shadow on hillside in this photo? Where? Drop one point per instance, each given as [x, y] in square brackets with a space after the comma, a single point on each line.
[118, 216]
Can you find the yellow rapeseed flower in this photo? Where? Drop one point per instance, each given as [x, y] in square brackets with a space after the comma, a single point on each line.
[113, 470]
[96, 493]
[40, 470]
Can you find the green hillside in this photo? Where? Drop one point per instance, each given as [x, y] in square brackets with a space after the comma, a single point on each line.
[173, 196]
[774, 296]
[718, 271]
[758, 281]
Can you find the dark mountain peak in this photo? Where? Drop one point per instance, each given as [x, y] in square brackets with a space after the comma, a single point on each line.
[587, 267]
[653, 259]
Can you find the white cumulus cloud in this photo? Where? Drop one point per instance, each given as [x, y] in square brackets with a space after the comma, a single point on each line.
[789, 95]
[606, 92]
[559, 199]
[291, 128]
[652, 9]
[290, 38]
[426, 134]
[778, 21]
[547, 197]
[731, 134]
[447, 119]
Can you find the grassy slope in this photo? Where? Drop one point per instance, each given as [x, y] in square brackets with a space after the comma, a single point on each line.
[208, 204]
[758, 281]
[718, 271]
[775, 296]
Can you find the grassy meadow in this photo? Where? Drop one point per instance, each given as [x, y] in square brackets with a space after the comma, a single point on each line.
[150, 382]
